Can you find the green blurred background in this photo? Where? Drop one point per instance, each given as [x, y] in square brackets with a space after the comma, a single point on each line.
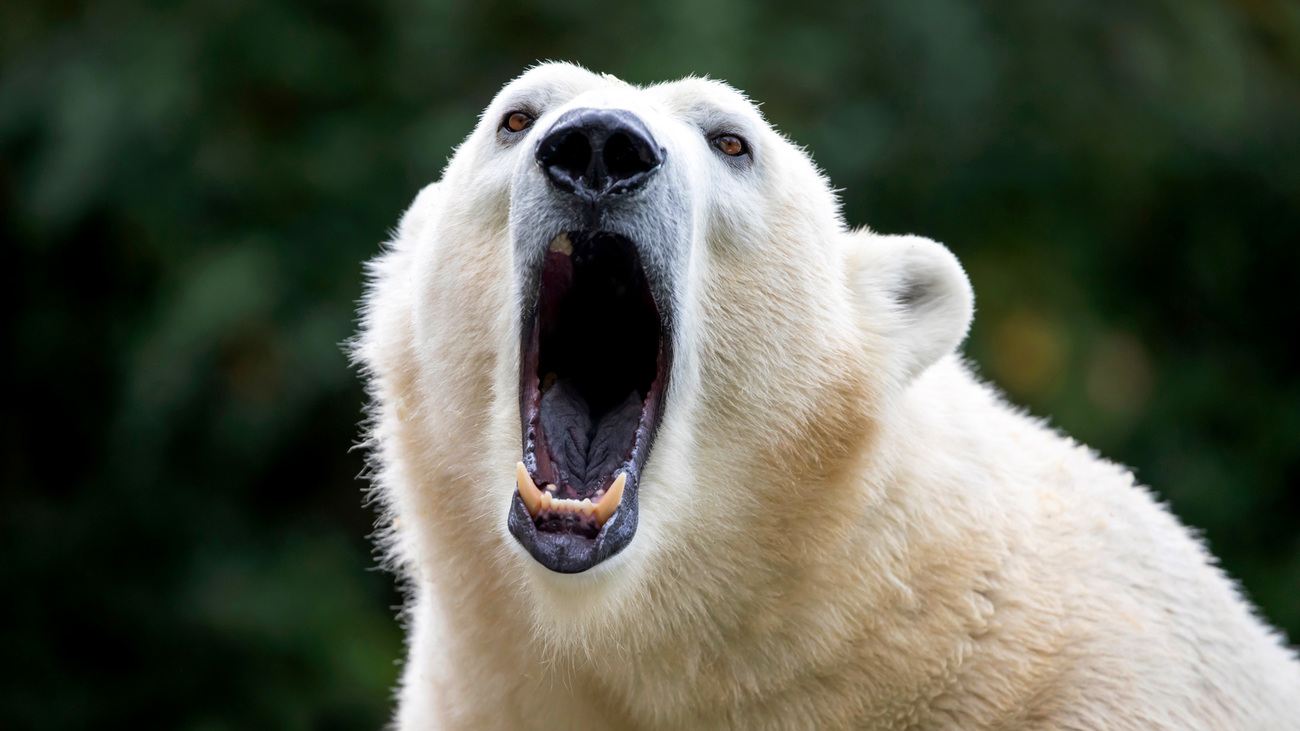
[187, 192]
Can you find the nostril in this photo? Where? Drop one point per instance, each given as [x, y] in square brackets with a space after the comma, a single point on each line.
[595, 153]
[572, 155]
[624, 158]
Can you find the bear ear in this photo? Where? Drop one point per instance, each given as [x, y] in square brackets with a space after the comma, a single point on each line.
[389, 300]
[913, 291]
[420, 213]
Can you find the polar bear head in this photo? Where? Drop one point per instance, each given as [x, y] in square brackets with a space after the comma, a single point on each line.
[628, 334]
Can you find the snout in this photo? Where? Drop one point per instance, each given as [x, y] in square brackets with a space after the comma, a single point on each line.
[597, 154]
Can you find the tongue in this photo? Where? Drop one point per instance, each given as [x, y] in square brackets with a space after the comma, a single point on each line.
[585, 456]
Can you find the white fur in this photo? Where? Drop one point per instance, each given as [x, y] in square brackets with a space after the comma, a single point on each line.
[839, 526]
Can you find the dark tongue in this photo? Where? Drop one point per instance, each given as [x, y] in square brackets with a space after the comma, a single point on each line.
[585, 457]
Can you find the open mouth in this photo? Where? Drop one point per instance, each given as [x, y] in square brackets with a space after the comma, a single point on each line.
[593, 372]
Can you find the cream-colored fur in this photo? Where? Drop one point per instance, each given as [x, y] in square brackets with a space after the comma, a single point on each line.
[839, 526]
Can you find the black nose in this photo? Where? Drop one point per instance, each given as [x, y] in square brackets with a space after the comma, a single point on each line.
[597, 153]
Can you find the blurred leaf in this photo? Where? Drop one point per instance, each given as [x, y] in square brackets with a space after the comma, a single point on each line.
[188, 191]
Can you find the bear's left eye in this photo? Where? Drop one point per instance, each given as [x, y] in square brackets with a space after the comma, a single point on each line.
[730, 145]
[516, 122]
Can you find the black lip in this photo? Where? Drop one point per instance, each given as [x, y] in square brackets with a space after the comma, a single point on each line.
[565, 551]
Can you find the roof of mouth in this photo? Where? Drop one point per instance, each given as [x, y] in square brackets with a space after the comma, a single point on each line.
[598, 345]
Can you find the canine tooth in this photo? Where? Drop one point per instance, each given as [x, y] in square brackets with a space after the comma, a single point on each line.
[608, 504]
[562, 244]
[532, 497]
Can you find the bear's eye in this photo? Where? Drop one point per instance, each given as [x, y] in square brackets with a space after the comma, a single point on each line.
[730, 145]
[517, 122]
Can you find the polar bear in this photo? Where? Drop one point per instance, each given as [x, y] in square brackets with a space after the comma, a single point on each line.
[662, 444]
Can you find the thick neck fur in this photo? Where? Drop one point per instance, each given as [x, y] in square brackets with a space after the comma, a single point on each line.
[858, 591]
[933, 599]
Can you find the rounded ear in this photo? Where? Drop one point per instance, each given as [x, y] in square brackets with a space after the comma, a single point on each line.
[389, 299]
[420, 212]
[913, 291]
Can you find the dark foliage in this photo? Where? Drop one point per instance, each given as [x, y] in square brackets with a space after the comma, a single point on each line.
[187, 192]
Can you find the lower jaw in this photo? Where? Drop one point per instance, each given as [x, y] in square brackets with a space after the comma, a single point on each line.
[569, 553]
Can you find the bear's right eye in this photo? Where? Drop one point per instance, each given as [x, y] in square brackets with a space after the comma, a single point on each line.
[729, 145]
[516, 122]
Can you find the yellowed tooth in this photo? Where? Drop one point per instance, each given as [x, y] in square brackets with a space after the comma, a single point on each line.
[587, 507]
[607, 505]
[562, 244]
[528, 490]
